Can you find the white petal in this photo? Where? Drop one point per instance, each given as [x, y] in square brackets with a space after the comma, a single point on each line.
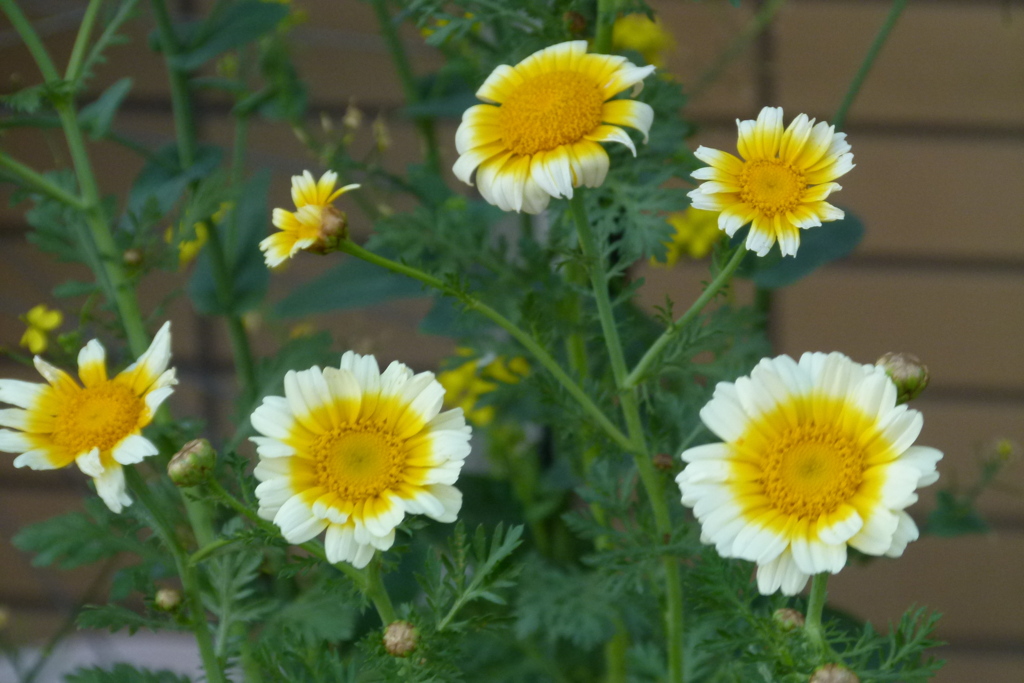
[297, 522]
[783, 573]
[906, 531]
[90, 463]
[18, 393]
[450, 497]
[110, 486]
[133, 449]
[924, 459]
[38, 459]
[14, 442]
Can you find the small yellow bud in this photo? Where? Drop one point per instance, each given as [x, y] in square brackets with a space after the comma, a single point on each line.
[400, 638]
[192, 464]
[167, 600]
[788, 619]
[834, 673]
[908, 373]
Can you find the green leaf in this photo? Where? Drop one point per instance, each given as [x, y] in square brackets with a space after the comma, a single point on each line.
[114, 618]
[818, 246]
[162, 181]
[75, 539]
[241, 23]
[352, 284]
[96, 117]
[954, 517]
[72, 288]
[247, 271]
[27, 100]
[123, 673]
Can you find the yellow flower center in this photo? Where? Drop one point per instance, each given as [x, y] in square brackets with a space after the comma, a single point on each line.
[550, 110]
[812, 469]
[97, 417]
[771, 186]
[358, 461]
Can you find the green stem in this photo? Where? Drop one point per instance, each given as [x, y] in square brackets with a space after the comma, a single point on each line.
[74, 70]
[606, 14]
[209, 549]
[187, 573]
[815, 606]
[184, 122]
[377, 593]
[90, 203]
[241, 350]
[528, 342]
[185, 128]
[641, 455]
[758, 23]
[408, 80]
[615, 651]
[31, 39]
[658, 347]
[869, 61]
[40, 183]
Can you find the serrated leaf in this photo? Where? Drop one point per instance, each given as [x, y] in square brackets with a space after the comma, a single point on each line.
[124, 673]
[72, 540]
[241, 23]
[115, 618]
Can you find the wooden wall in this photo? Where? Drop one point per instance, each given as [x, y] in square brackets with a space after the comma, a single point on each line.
[938, 134]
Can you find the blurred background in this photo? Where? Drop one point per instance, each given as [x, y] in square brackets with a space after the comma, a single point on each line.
[938, 138]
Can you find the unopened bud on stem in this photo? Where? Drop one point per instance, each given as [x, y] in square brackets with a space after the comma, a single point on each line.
[788, 618]
[167, 600]
[400, 638]
[908, 373]
[192, 464]
[834, 673]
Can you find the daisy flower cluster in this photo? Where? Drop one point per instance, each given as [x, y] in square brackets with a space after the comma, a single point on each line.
[96, 424]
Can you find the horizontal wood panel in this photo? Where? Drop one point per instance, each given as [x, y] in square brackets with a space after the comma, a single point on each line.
[959, 325]
[968, 579]
[944, 62]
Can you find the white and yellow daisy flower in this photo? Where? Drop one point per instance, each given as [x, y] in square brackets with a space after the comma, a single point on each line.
[98, 424]
[314, 222]
[816, 457]
[781, 182]
[538, 138]
[351, 450]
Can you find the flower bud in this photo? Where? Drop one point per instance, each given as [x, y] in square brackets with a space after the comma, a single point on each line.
[908, 373]
[192, 464]
[132, 257]
[788, 618]
[834, 673]
[167, 600]
[575, 22]
[663, 462]
[333, 230]
[400, 638]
